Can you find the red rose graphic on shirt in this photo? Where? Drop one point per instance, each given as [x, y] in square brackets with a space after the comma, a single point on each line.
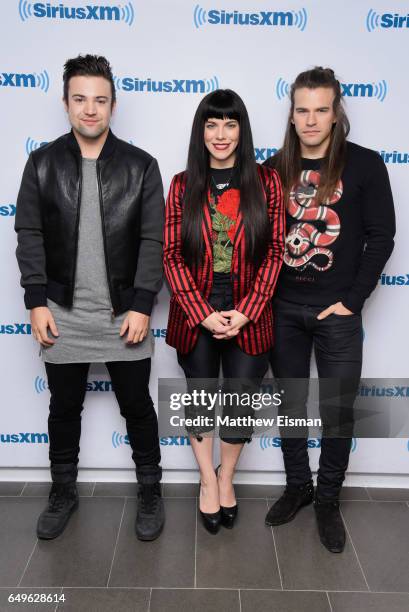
[228, 203]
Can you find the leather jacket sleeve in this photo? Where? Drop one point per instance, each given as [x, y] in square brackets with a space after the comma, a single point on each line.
[30, 250]
[149, 272]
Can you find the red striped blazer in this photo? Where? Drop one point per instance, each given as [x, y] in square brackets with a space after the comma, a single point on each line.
[252, 289]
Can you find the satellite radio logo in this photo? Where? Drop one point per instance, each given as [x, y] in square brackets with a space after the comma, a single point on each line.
[40, 385]
[290, 19]
[22, 329]
[8, 210]
[394, 157]
[119, 439]
[24, 438]
[32, 145]
[395, 280]
[159, 332]
[265, 153]
[387, 20]
[267, 442]
[184, 86]
[87, 12]
[39, 80]
[349, 90]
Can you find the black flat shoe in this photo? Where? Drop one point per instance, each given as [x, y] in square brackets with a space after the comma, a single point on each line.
[229, 514]
[211, 520]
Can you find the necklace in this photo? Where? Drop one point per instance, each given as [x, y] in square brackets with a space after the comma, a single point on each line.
[225, 185]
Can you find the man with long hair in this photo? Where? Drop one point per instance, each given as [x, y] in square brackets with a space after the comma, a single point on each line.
[340, 228]
[89, 222]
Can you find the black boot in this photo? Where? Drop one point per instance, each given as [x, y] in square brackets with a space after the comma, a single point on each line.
[330, 524]
[287, 506]
[62, 501]
[150, 516]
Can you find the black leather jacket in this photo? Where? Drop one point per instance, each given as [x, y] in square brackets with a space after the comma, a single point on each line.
[132, 211]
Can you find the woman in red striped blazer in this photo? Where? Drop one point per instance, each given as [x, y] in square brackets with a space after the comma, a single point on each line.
[224, 244]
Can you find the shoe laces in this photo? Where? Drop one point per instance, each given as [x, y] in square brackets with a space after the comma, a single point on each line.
[58, 498]
[149, 495]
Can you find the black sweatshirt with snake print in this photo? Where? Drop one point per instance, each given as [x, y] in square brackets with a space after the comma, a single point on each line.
[336, 250]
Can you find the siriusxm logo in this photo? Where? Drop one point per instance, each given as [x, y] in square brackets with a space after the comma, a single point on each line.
[175, 441]
[7, 210]
[396, 391]
[349, 90]
[394, 157]
[158, 332]
[387, 20]
[399, 280]
[24, 438]
[40, 385]
[267, 442]
[172, 86]
[263, 154]
[31, 79]
[24, 329]
[94, 12]
[289, 19]
[32, 145]
[119, 439]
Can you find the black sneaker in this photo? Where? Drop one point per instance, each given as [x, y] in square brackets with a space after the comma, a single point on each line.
[150, 516]
[62, 502]
[330, 525]
[287, 506]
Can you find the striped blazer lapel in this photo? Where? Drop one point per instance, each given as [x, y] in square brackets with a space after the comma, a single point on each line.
[238, 234]
[207, 230]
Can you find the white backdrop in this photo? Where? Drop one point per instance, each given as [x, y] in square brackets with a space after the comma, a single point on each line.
[190, 49]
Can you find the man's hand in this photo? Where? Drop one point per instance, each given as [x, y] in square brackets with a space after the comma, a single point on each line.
[41, 319]
[216, 323]
[236, 319]
[137, 325]
[337, 308]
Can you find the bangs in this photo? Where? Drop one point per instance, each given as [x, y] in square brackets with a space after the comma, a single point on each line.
[222, 105]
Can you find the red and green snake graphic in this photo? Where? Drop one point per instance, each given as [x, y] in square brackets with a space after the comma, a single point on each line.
[304, 241]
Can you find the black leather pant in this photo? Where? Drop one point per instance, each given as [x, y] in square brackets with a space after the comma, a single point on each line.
[203, 362]
[337, 343]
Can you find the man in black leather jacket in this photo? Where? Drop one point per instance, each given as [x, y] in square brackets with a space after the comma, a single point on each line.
[89, 221]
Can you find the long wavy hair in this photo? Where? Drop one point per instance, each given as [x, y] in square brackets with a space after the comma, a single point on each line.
[288, 157]
[223, 104]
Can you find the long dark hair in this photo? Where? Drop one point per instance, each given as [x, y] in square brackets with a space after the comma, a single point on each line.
[289, 156]
[223, 104]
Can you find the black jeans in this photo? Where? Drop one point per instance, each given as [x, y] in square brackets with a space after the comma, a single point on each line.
[337, 342]
[203, 362]
[130, 380]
